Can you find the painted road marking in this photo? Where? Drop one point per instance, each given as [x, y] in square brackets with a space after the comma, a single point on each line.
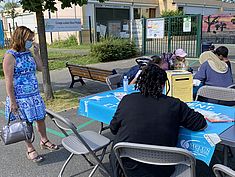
[60, 134]
[2, 112]
[54, 132]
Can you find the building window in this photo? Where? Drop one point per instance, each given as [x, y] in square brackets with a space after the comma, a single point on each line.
[152, 13]
[137, 13]
[181, 9]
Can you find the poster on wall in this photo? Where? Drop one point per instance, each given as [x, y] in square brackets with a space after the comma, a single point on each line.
[155, 28]
[187, 24]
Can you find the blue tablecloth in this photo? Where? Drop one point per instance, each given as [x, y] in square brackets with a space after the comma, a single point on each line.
[102, 106]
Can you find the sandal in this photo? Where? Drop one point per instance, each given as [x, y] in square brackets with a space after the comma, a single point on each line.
[52, 147]
[36, 159]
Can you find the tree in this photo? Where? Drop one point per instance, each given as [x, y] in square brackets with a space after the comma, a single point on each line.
[211, 21]
[39, 6]
[10, 10]
[170, 13]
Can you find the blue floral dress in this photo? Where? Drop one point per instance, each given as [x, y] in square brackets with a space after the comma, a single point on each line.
[26, 88]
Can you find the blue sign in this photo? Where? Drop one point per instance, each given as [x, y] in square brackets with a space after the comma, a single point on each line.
[102, 106]
[1, 35]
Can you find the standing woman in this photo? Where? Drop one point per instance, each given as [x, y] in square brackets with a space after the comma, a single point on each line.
[23, 96]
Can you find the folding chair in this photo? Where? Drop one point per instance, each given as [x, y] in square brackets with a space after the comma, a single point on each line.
[223, 171]
[223, 96]
[113, 80]
[231, 86]
[80, 143]
[157, 155]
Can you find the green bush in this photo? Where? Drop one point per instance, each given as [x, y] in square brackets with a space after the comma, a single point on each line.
[69, 42]
[113, 49]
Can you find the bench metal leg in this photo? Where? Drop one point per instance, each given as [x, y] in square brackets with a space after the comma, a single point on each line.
[76, 80]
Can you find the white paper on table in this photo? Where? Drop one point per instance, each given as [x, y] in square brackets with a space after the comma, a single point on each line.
[212, 138]
[196, 82]
[97, 98]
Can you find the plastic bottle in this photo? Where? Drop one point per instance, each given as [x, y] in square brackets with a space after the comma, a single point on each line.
[125, 84]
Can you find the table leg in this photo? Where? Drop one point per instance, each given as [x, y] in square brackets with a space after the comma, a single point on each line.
[225, 155]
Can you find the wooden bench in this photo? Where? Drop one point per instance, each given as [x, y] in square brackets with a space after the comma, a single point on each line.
[87, 72]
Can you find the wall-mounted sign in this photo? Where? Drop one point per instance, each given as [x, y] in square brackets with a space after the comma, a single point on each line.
[155, 28]
[187, 25]
[57, 25]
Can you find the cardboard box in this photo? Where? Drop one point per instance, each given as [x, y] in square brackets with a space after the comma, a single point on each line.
[180, 85]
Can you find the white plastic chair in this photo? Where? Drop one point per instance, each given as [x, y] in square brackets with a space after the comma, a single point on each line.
[113, 80]
[183, 160]
[223, 171]
[80, 143]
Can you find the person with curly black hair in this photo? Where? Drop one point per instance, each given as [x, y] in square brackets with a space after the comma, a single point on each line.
[150, 117]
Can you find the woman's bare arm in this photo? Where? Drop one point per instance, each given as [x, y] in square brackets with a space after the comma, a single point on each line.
[37, 57]
[8, 69]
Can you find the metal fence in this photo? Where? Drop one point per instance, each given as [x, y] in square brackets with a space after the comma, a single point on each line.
[175, 37]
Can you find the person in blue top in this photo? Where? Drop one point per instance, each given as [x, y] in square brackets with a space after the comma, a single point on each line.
[214, 71]
[23, 96]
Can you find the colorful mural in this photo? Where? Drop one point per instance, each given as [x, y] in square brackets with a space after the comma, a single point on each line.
[218, 23]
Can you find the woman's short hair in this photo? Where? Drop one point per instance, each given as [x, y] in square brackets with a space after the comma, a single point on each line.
[151, 80]
[20, 35]
[222, 50]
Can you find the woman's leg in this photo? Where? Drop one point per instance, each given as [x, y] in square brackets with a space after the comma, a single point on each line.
[32, 153]
[41, 127]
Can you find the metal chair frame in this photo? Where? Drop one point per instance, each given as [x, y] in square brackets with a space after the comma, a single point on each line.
[183, 159]
[56, 118]
[113, 80]
[223, 171]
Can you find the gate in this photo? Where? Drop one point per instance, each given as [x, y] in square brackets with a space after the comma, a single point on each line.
[179, 32]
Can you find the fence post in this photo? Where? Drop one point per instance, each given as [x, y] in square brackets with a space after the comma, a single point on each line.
[90, 29]
[10, 29]
[169, 34]
[199, 35]
[144, 36]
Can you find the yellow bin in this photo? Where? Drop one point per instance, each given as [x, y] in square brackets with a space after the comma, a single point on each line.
[180, 85]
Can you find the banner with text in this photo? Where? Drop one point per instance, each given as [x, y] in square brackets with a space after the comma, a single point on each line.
[58, 25]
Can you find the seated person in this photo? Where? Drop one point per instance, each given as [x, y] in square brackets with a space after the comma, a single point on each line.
[180, 62]
[222, 53]
[149, 117]
[155, 59]
[213, 70]
[132, 72]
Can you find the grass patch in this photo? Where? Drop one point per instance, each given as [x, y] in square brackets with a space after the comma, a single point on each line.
[76, 46]
[57, 60]
[61, 63]
[69, 43]
[63, 100]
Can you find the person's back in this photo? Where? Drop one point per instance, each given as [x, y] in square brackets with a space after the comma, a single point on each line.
[149, 117]
[212, 78]
[213, 71]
